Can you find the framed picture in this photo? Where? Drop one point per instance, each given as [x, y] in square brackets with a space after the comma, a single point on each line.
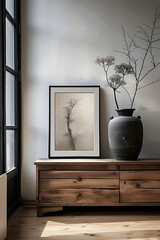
[74, 122]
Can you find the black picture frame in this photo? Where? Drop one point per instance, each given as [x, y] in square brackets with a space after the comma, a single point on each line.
[74, 121]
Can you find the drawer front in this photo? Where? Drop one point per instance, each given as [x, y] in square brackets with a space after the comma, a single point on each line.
[79, 174]
[86, 165]
[140, 166]
[78, 183]
[140, 195]
[140, 186]
[140, 175]
[81, 196]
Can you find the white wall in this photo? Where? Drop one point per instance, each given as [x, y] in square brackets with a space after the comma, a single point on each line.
[60, 42]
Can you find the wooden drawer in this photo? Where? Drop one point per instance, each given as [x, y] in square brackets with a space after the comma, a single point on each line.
[84, 197]
[139, 186]
[140, 166]
[78, 179]
[140, 175]
[81, 174]
[80, 183]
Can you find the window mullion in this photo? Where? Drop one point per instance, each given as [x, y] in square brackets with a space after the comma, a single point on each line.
[10, 18]
[11, 127]
[10, 70]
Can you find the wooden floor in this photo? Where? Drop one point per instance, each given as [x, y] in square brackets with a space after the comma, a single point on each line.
[86, 224]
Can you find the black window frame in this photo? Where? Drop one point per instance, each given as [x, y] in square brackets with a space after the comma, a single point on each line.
[13, 176]
[2, 168]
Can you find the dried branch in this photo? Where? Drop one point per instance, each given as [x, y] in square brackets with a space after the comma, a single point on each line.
[148, 38]
[149, 72]
[156, 40]
[146, 25]
[155, 48]
[145, 40]
[127, 47]
[152, 58]
[149, 84]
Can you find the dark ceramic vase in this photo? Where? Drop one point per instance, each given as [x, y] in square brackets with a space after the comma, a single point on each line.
[125, 135]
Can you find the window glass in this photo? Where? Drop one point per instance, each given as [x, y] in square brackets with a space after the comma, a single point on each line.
[10, 99]
[10, 150]
[10, 7]
[9, 44]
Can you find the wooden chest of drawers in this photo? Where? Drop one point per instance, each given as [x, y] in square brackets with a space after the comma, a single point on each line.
[96, 183]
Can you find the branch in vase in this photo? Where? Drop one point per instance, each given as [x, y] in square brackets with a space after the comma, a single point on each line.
[149, 84]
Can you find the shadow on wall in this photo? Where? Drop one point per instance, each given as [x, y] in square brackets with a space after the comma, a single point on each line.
[151, 132]
[104, 119]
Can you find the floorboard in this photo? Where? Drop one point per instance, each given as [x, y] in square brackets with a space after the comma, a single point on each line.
[86, 224]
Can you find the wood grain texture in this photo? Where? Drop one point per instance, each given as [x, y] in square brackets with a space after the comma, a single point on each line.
[37, 183]
[44, 161]
[69, 196]
[140, 195]
[97, 164]
[115, 204]
[86, 224]
[74, 183]
[140, 175]
[41, 211]
[82, 174]
[79, 167]
[140, 166]
[139, 184]
[88, 182]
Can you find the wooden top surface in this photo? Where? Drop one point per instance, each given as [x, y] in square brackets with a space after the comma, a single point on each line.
[46, 161]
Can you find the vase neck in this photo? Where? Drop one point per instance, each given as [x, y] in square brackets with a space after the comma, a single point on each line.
[125, 112]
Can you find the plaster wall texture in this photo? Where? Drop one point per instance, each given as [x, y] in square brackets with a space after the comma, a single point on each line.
[60, 42]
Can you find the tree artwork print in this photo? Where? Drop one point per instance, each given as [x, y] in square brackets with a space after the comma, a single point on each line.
[69, 112]
[74, 122]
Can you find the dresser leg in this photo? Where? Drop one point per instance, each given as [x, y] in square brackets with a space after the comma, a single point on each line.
[41, 210]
